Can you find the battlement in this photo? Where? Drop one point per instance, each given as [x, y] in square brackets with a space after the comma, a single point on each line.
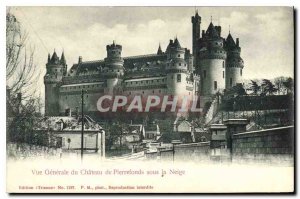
[113, 47]
[213, 54]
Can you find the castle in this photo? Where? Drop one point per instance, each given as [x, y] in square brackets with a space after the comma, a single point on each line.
[214, 65]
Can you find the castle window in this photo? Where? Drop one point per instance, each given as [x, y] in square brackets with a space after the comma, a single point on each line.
[215, 85]
[153, 91]
[143, 92]
[179, 64]
[178, 77]
[223, 64]
[129, 93]
[230, 82]
[223, 75]
[152, 81]
[241, 72]
[179, 55]
[204, 74]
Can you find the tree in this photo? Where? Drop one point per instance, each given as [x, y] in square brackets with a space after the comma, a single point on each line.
[239, 90]
[21, 75]
[289, 84]
[254, 87]
[21, 72]
[268, 87]
[278, 81]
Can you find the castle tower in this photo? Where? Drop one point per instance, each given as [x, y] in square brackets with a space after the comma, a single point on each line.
[55, 70]
[234, 62]
[188, 57]
[196, 21]
[114, 65]
[212, 56]
[176, 69]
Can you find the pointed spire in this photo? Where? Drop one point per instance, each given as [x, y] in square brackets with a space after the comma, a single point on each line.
[48, 57]
[229, 29]
[211, 31]
[176, 43]
[54, 58]
[230, 42]
[62, 58]
[159, 51]
[196, 11]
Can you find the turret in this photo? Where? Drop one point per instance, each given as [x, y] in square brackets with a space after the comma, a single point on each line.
[55, 70]
[176, 68]
[234, 62]
[212, 56]
[114, 69]
[196, 21]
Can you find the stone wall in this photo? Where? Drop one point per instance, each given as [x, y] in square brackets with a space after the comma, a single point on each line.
[271, 146]
[192, 152]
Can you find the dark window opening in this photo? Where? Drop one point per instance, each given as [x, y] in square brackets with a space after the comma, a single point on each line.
[204, 73]
[223, 75]
[215, 85]
[230, 82]
[178, 77]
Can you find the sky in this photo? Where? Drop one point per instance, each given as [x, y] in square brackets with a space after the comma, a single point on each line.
[266, 33]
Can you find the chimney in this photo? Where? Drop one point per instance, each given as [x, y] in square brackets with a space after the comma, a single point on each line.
[237, 42]
[79, 60]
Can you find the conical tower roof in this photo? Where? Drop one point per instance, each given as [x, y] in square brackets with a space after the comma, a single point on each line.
[54, 58]
[62, 58]
[159, 51]
[176, 43]
[211, 31]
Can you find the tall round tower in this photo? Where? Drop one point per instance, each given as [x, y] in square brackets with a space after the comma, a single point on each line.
[234, 62]
[56, 69]
[176, 69]
[212, 56]
[114, 69]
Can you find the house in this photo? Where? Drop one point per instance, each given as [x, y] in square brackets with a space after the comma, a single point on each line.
[69, 130]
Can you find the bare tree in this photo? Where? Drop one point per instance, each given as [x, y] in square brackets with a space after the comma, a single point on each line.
[21, 72]
[278, 81]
